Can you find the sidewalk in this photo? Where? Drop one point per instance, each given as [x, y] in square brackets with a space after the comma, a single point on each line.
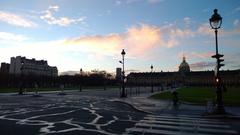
[153, 106]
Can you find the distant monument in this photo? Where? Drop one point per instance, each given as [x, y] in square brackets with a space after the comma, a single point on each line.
[184, 67]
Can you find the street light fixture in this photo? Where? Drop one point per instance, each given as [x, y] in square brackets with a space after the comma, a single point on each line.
[123, 94]
[216, 22]
[151, 78]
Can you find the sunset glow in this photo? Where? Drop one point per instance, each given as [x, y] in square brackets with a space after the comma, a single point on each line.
[90, 34]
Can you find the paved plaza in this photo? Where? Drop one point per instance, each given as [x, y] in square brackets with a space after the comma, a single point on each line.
[103, 113]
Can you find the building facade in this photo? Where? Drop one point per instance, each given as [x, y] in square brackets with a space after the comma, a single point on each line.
[23, 66]
[118, 73]
[4, 68]
[184, 77]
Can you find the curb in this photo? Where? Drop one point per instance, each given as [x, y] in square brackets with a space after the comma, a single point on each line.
[189, 103]
[229, 116]
[132, 106]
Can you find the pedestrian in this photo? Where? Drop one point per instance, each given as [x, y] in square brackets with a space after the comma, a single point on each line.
[62, 87]
[36, 88]
[175, 97]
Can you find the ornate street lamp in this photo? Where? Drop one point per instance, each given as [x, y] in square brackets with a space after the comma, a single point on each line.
[216, 22]
[123, 94]
[151, 78]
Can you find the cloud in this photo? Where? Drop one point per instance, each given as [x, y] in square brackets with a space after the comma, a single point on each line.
[102, 44]
[198, 55]
[187, 21]
[121, 2]
[155, 1]
[15, 19]
[69, 73]
[202, 65]
[237, 9]
[141, 42]
[205, 29]
[236, 22]
[54, 8]
[131, 70]
[232, 60]
[141, 39]
[118, 2]
[61, 21]
[138, 40]
[5, 36]
[132, 1]
[205, 10]
[36, 50]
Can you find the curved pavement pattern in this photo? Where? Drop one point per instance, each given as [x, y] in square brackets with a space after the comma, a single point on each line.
[70, 114]
[94, 114]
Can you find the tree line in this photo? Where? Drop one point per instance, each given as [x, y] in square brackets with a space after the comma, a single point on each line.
[30, 81]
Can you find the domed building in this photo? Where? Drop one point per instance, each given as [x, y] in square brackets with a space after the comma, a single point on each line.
[184, 67]
[182, 77]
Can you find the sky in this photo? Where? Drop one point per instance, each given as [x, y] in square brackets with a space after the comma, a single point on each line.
[90, 34]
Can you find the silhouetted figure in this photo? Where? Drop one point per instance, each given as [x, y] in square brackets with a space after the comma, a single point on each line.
[80, 88]
[224, 88]
[104, 86]
[162, 88]
[21, 89]
[62, 90]
[175, 97]
[36, 88]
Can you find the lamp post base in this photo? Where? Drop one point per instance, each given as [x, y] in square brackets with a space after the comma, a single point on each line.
[219, 110]
[123, 95]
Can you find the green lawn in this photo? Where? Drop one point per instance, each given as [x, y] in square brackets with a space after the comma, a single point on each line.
[201, 94]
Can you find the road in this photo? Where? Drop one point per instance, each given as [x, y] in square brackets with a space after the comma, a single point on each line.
[94, 112]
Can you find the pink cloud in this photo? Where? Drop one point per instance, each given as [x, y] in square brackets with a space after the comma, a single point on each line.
[201, 55]
[202, 65]
[196, 55]
[15, 19]
[205, 29]
[139, 41]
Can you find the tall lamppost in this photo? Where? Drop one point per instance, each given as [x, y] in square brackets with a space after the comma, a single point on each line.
[22, 80]
[80, 75]
[123, 94]
[215, 23]
[151, 78]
